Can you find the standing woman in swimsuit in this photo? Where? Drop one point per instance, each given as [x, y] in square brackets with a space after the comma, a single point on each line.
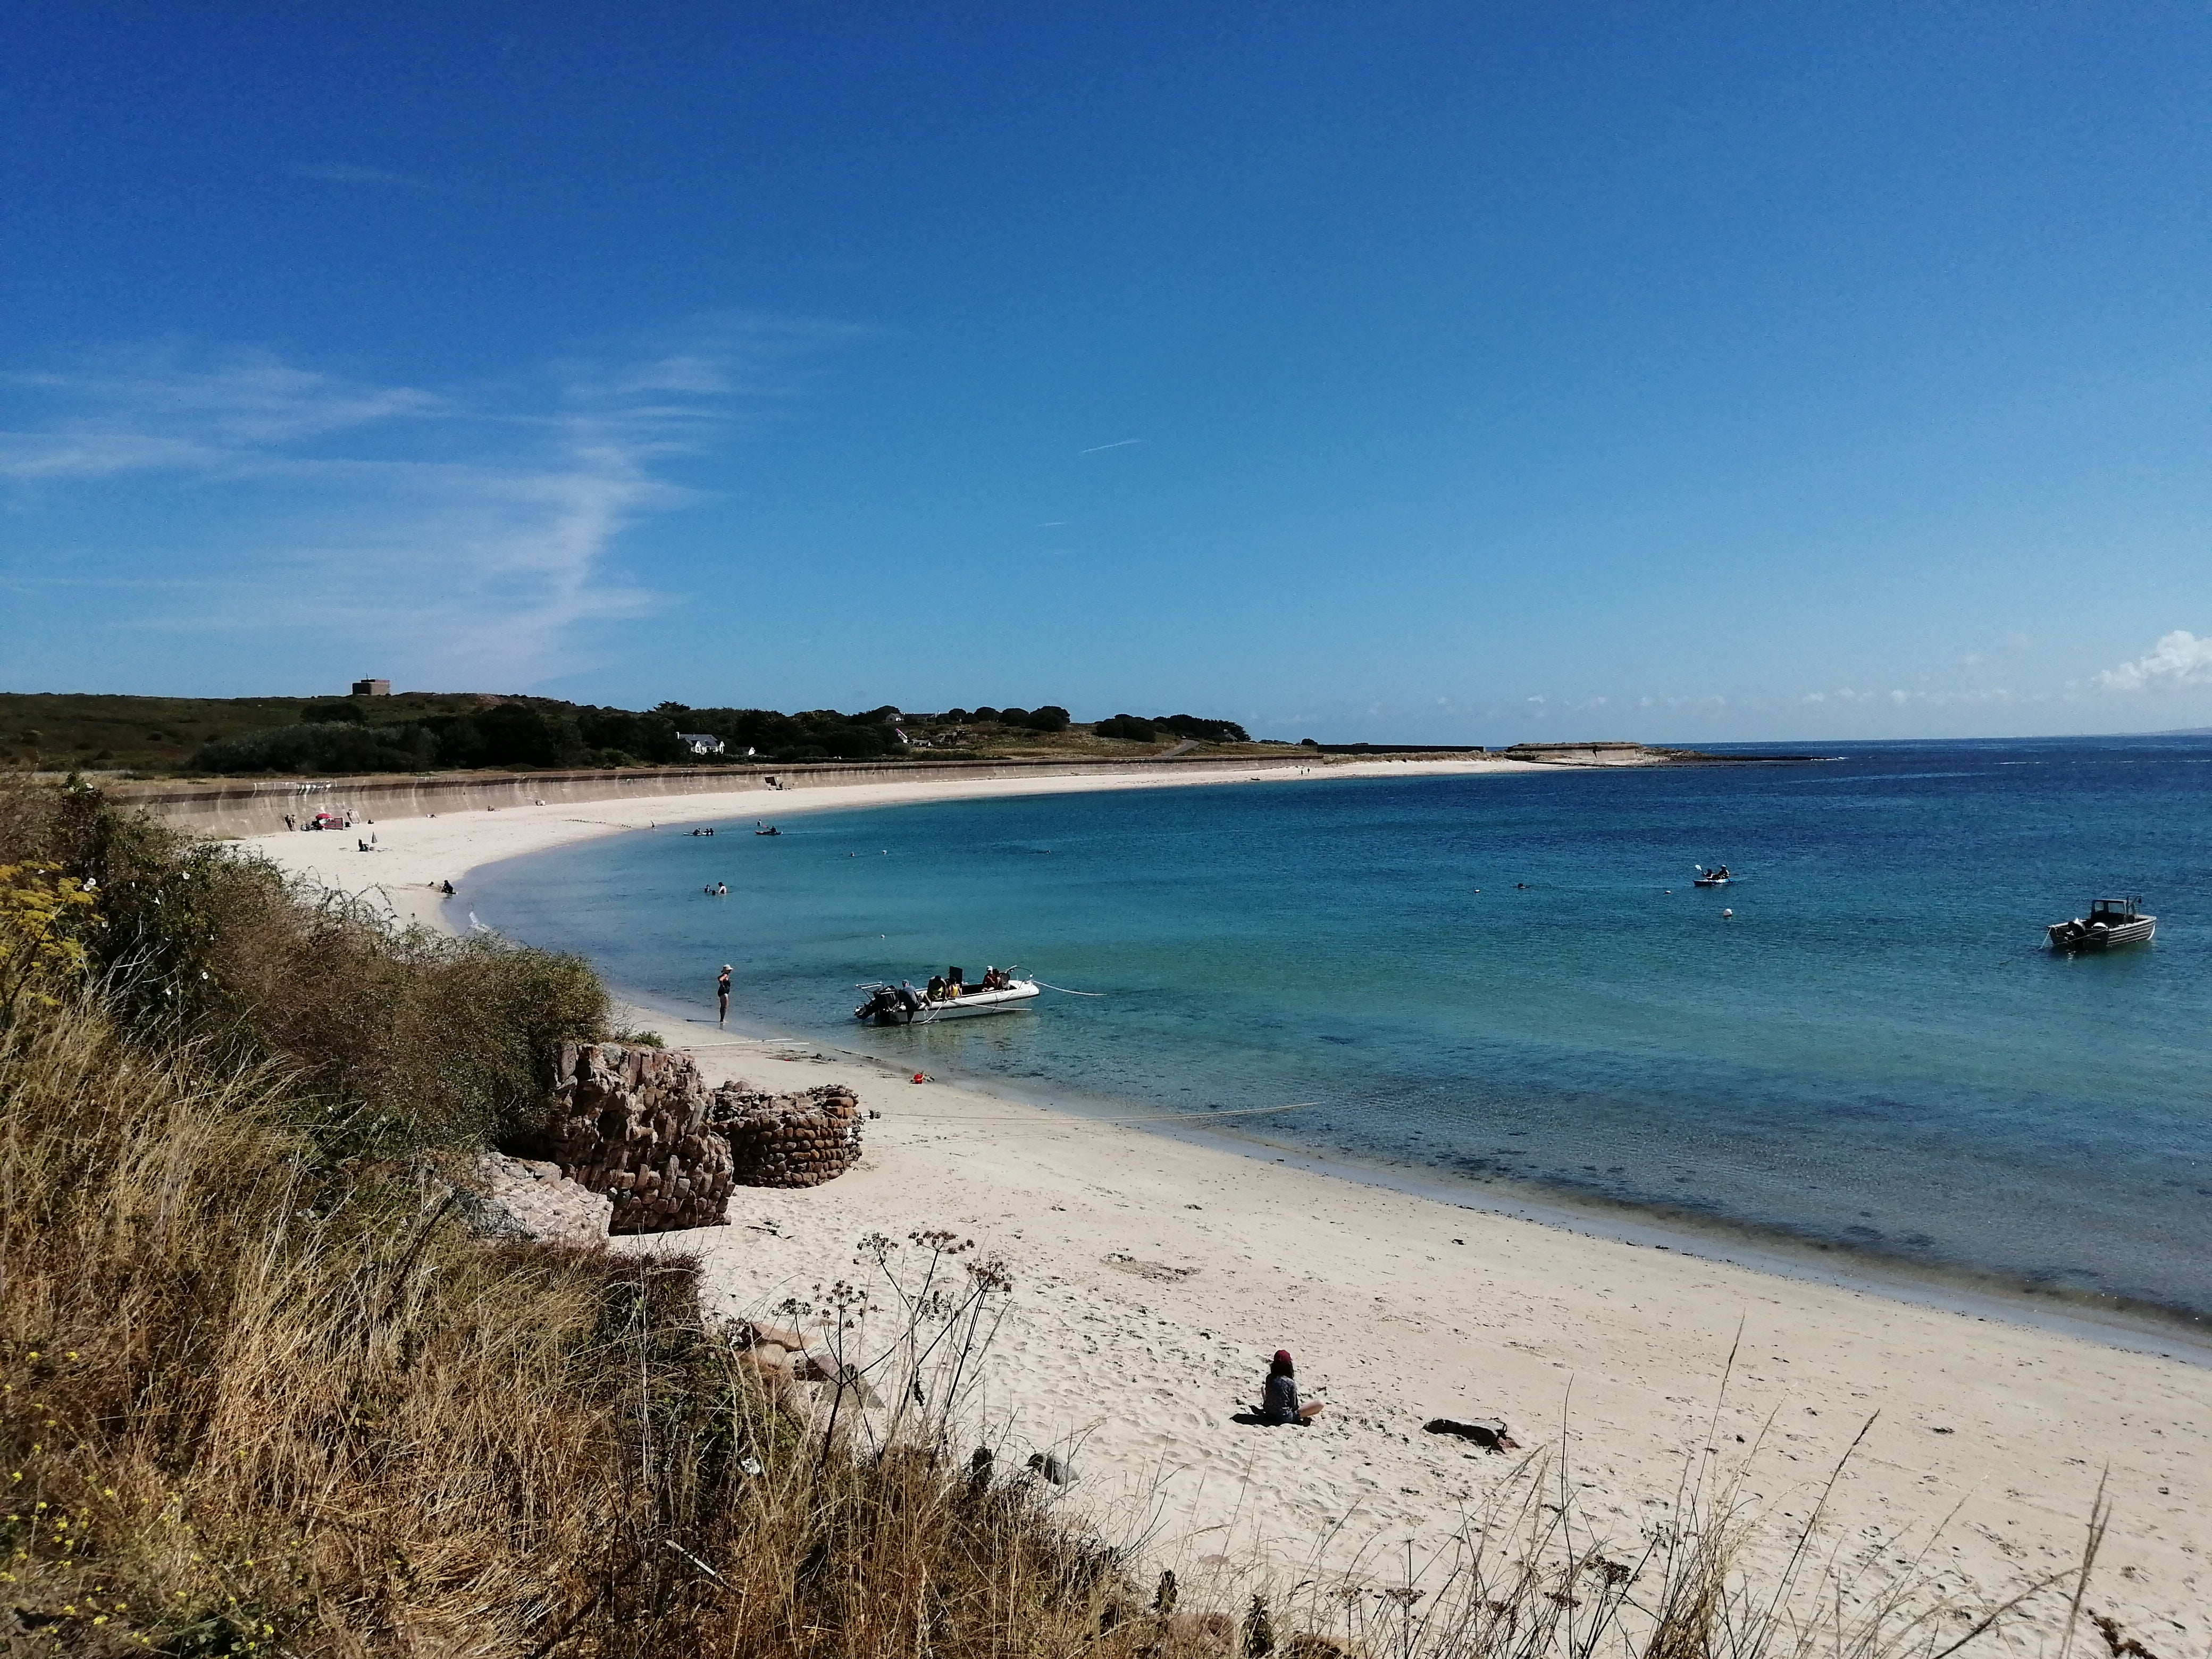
[722, 996]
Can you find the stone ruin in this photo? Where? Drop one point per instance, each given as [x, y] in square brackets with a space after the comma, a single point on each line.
[520, 1198]
[789, 1141]
[641, 1126]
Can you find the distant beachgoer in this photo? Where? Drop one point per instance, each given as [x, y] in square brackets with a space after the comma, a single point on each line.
[722, 995]
[1280, 1403]
[289, 824]
[721, 890]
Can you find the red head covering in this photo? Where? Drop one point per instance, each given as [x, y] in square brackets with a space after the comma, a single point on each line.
[1282, 1356]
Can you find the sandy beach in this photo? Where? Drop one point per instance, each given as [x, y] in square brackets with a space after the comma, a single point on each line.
[1153, 1277]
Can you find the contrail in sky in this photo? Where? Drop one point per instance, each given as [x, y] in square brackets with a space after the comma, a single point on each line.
[1095, 448]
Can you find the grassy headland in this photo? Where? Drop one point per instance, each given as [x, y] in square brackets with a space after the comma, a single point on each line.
[426, 731]
[263, 1391]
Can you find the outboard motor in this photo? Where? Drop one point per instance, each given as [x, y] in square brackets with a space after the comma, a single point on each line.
[882, 1007]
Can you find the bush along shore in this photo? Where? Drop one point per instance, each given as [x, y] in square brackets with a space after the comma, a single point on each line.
[263, 1389]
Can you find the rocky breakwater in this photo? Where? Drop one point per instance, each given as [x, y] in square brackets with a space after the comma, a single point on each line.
[641, 1126]
[789, 1141]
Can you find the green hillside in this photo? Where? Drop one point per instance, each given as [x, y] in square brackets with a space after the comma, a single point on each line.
[71, 731]
[426, 731]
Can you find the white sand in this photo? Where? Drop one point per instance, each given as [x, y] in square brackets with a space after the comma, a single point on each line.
[1153, 1278]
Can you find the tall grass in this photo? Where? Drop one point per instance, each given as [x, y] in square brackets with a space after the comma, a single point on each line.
[261, 1392]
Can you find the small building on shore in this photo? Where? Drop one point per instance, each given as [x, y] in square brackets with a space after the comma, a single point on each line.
[372, 688]
[700, 743]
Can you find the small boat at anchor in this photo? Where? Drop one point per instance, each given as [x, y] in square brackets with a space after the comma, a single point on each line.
[902, 1005]
[2110, 921]
[769, 830]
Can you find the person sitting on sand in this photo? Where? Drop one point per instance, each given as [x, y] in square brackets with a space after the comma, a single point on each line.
[1279, 1404]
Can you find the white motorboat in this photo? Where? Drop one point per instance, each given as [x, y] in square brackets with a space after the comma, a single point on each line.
[2110, 921]
[902, 1005]
[1718, 876]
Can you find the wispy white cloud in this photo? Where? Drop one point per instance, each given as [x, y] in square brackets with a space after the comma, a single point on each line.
[1100, 449]
[2179, 662]
[160, 412]
[464, 536]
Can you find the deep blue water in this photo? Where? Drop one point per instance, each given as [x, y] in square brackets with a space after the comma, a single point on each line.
[1509, 979]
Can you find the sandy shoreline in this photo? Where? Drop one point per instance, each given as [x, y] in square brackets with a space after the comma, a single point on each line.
[1153, 1277]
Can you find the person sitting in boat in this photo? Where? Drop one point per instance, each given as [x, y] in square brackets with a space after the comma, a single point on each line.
[993, 980]
[934, 990]
[1280, 1403]
[955, 983]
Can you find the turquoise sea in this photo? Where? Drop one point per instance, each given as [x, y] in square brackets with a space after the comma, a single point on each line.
[1507, 981]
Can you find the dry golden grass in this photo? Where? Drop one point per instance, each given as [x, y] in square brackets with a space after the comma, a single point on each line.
[255, 1406]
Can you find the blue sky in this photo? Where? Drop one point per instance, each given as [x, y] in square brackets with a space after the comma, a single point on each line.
[1448, 372]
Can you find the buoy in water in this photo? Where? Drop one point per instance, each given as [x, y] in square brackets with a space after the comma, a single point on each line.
[1726, 914]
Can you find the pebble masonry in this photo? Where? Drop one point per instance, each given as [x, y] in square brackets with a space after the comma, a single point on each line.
[641, 1126]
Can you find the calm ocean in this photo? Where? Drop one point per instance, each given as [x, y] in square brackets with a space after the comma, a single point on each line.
[1510, 981]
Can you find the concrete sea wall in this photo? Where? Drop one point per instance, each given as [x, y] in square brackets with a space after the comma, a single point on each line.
[258, 806]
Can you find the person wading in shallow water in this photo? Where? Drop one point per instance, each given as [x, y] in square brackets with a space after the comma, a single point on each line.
[722, 996]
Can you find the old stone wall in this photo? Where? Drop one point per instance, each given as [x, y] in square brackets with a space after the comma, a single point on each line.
[633, 1123]
[257, 806]
[788, 1140]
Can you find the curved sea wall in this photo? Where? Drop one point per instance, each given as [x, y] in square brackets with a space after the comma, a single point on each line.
[259, 807]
